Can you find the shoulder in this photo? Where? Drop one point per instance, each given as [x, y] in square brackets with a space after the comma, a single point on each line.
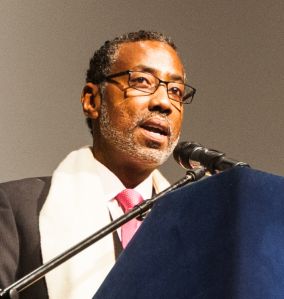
[20, 187]
[23, 183]
[25, 192]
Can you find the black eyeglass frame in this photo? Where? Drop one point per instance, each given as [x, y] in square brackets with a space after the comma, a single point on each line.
[128, 72]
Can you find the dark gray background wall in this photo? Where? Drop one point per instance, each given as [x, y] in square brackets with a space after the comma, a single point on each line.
[233, 51]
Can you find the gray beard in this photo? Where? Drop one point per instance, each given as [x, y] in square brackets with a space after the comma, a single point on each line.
[125, 142]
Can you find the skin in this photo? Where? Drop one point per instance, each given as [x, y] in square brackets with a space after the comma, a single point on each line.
[125, 126]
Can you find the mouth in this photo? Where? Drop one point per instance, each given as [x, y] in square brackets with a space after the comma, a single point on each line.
[157, 126]
[156, 132]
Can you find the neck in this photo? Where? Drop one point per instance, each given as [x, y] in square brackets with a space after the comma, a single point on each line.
[130, 173]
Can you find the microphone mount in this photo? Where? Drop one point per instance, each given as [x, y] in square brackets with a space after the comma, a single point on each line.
[187, 152]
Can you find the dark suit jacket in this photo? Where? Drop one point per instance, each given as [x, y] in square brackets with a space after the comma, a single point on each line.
[20, 250]
[20, 253]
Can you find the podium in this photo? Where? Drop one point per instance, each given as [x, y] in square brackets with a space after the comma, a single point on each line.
[221, 237]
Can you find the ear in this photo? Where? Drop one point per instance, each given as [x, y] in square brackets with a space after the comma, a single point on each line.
[91, 100]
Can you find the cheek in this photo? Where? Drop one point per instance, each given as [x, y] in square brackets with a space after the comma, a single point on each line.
[122, 117]
[177, 123]
[129, 110]
[177, 130]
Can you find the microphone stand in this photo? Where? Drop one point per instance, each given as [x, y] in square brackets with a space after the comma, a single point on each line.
[139, 211]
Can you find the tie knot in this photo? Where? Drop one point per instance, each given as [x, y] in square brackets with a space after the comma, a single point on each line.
[129, 198]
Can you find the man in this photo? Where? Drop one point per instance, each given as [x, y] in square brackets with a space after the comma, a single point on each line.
[133, 101]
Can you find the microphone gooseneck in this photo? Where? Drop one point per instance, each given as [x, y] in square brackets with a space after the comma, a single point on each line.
[211, 159]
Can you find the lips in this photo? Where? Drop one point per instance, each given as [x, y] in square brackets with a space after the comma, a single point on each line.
[156, 125]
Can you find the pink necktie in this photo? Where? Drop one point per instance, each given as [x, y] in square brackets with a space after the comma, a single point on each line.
[127, 199]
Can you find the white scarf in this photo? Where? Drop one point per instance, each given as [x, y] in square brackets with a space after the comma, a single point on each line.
[75, 208]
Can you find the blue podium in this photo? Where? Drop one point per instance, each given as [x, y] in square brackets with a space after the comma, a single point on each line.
[222, 237]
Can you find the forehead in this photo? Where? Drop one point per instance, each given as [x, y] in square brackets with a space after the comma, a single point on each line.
[156, 56]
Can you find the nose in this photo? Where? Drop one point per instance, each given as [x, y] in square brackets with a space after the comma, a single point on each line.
[159, 101]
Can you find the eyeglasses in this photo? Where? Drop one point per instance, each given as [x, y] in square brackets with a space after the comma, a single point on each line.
[143, 83]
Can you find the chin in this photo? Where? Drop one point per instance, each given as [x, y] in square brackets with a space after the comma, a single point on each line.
[154, 145]
[152, 156]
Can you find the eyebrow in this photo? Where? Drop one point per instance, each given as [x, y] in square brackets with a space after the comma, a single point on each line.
[151, 70]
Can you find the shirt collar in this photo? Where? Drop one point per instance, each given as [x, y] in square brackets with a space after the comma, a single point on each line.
[112, 184]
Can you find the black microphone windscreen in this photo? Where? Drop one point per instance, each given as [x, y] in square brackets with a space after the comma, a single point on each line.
[183, 152]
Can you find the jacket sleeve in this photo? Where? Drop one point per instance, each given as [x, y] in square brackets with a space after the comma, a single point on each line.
[9, 242]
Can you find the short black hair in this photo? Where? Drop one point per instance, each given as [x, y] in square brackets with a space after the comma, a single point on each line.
[105, 56]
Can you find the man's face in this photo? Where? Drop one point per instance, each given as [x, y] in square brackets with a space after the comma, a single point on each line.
[143, 128]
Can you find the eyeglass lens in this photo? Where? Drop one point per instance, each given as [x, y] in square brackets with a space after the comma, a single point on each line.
[147, 83]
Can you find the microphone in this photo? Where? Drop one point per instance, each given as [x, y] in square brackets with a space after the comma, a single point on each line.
[211, 159]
